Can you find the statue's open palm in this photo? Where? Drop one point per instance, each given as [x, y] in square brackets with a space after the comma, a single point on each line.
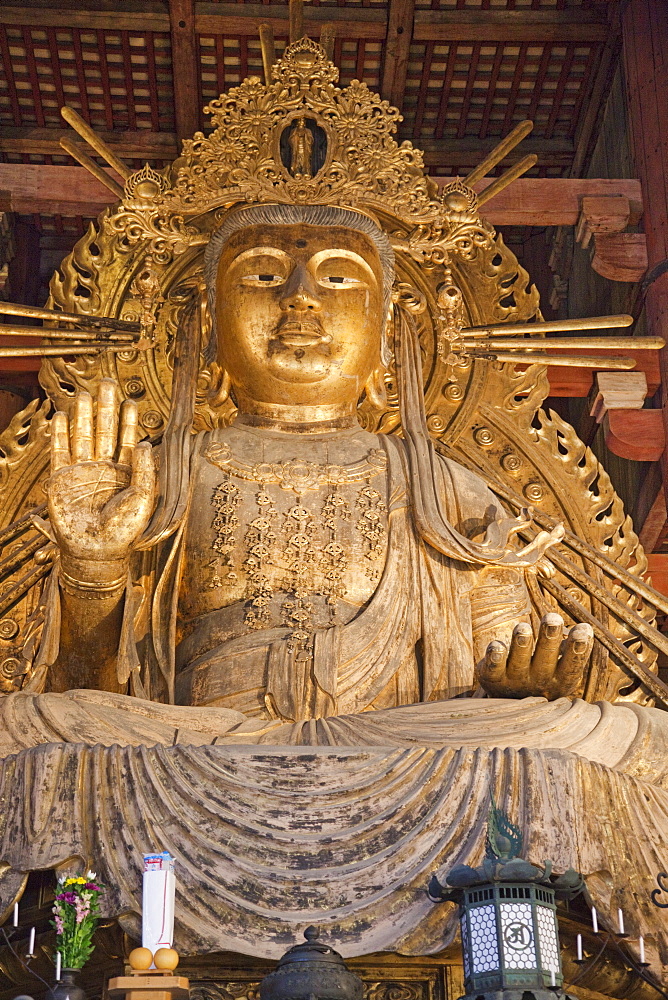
[552, 668]
[102, 485]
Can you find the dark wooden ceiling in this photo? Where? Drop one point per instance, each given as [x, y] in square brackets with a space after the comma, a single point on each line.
[463, 73]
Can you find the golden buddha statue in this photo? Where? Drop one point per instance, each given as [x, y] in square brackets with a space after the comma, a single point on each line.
[313, 557]
[298, 505]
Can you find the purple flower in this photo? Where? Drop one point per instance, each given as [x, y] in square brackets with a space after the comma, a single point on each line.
[91, 885]
[68, 897]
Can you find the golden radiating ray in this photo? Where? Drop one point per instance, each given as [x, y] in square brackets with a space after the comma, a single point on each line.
[268, 50]
[90, 165]
[66, 350]
[563, 360]
[554, 343]
[327, 36]
[510, 175]
[95, 142]
[499, 152]
[39, 312]
[45, 332]
[552, 326]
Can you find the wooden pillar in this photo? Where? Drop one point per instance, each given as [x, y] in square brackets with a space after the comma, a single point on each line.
[397, 49]
[645, 53]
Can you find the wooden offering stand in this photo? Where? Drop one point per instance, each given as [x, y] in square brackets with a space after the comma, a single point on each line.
[145, 983]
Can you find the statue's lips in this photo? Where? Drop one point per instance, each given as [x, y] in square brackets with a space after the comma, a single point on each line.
[300, 335]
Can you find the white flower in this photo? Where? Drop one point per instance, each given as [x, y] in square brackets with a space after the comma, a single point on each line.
[91, 876]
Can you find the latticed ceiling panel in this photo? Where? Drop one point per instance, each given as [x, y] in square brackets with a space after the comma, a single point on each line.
[459, 96]
[481, 91]
[115, 79]
[227, 60]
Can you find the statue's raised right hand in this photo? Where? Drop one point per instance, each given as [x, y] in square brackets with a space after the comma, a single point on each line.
[102, 486]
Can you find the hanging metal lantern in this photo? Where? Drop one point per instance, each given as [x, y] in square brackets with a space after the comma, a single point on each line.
[508, 918]
[311, 971]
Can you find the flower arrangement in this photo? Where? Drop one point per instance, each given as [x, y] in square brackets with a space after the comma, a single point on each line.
[75, 913]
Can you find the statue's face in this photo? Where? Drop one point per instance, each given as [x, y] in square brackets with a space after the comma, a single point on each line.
[299, 313]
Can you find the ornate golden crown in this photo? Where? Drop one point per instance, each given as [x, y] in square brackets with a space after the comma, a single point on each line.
[302, 140]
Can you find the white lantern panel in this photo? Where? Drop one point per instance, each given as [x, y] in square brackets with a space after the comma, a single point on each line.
[547, 939]
[484, 945]
[465, 947]
[519, 947]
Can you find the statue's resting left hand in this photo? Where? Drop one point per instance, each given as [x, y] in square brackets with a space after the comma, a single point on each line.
[102, 485]
[553, 668]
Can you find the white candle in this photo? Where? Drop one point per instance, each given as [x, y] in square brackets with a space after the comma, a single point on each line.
[16, 914]
[31, 947]
[620, 920]
[641, 945]
[579, 947]
[57, 966]
[159, 887]
[554, 979]
[594, 919]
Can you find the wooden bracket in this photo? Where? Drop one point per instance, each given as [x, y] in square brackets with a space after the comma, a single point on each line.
[617, 391]
[602, 214]
[620, 256]
[638, 435]
[617, 255]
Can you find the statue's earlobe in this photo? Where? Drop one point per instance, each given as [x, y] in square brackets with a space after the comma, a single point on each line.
[219, 389]
[375, 388]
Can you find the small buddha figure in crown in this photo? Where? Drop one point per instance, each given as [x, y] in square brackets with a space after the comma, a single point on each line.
[314, 568]
[301, 149]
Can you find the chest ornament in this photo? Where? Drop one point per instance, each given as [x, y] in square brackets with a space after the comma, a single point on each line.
[307, 543]
[297, 475]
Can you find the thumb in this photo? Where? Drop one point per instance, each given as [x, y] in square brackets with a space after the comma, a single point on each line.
[143, 469]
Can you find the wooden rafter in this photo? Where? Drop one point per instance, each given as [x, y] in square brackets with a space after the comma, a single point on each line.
[397, 47]
[185, 60]
[462, 24]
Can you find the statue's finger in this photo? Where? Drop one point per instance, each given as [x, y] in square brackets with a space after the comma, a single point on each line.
[546, 654]
[571, 666]
[143, 470]
[82, 428]
[127, 432]
[493, 669]
[107, 420]
[519, 657]
[60, 442]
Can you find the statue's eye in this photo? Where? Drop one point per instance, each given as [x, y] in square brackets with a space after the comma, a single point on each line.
[263, 280]
[339, 281]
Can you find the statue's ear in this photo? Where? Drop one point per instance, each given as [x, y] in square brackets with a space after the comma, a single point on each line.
[219, 388]
[375, 388]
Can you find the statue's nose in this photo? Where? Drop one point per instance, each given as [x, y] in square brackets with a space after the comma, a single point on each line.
[300, 294]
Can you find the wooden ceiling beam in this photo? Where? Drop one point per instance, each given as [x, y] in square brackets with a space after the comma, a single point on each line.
[137, 144]
[143, 144]
[572, 25]
[186, 67]
[465, 24]
[209, 18]
[71, 191]
[397, 49]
